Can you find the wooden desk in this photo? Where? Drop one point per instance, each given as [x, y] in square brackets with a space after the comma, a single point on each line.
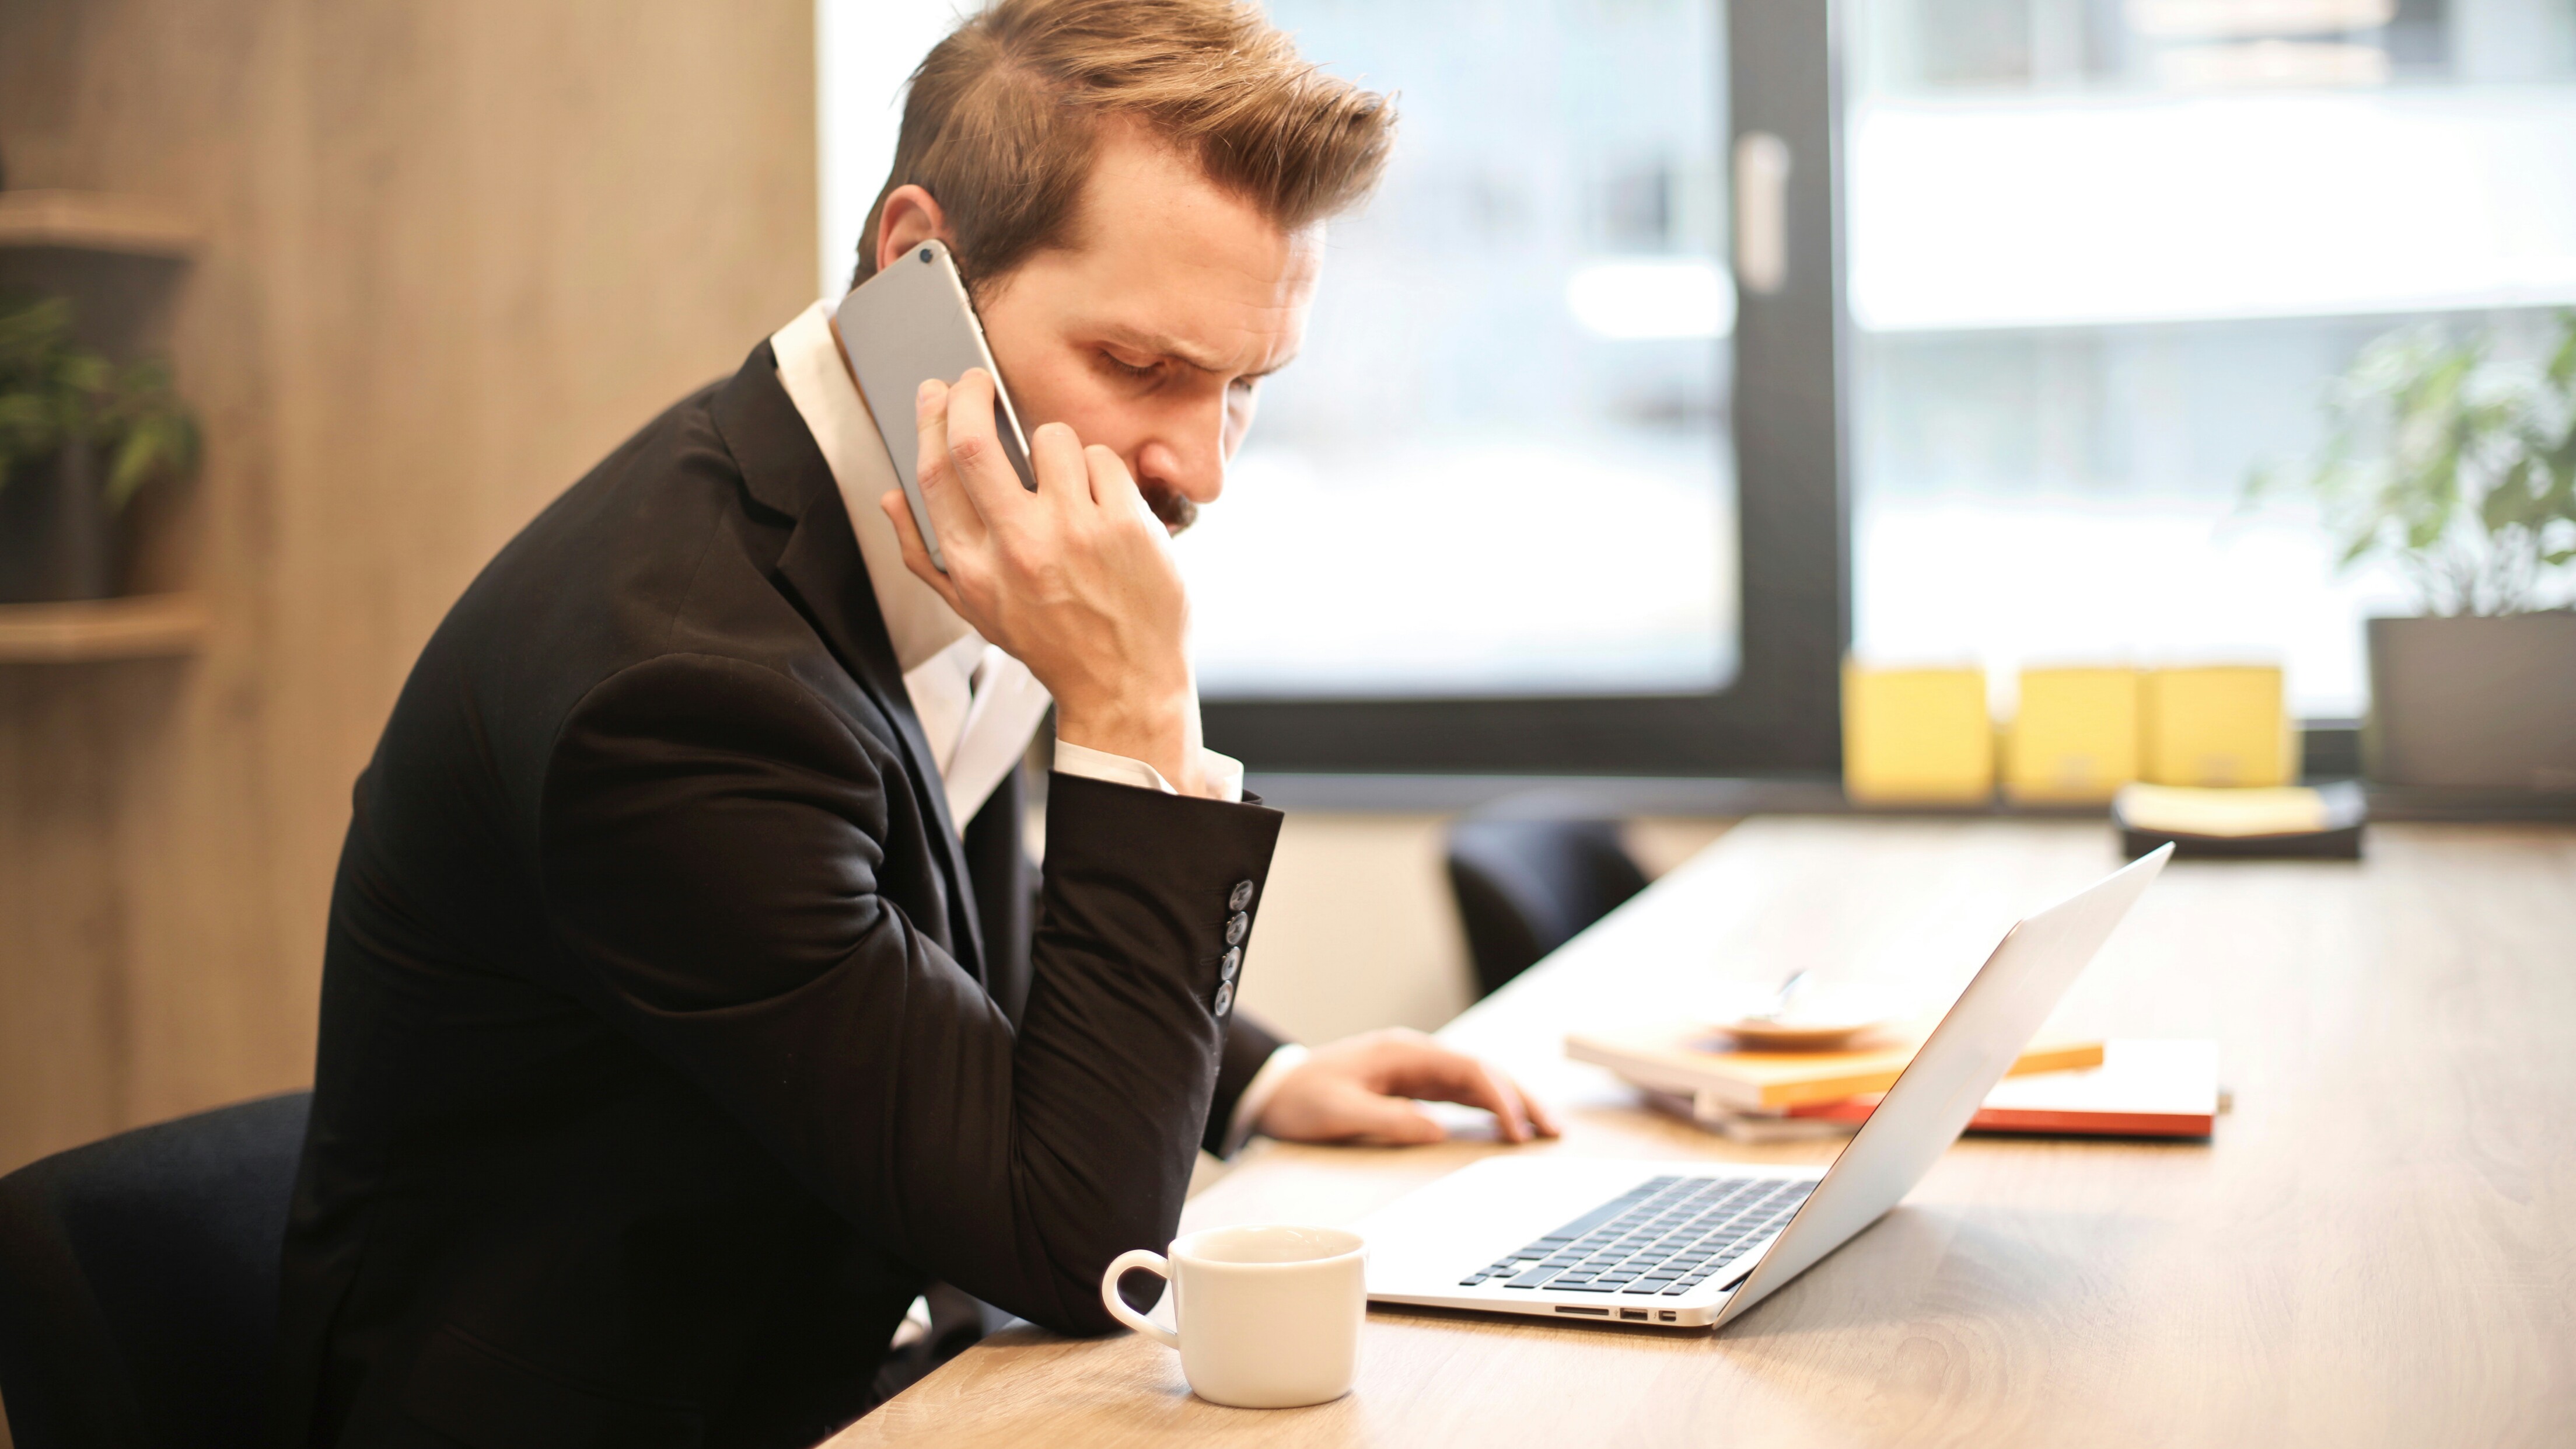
[2378, 1248]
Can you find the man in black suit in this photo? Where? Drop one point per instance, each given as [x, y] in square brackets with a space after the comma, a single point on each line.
[685, 1014]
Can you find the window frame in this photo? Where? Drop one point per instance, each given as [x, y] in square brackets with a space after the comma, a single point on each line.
[1782, 711]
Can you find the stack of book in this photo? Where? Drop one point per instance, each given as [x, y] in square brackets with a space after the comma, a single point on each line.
[2117, 1088]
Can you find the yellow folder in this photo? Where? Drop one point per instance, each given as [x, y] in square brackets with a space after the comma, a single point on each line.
[2218, 725]
[1917, 736]
[2075, 737]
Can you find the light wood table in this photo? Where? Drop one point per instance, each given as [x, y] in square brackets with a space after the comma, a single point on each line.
[2379, 1246]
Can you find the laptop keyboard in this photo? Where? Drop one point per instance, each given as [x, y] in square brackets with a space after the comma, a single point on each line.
[1663, 1237]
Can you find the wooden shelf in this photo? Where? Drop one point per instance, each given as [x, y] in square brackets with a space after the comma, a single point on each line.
[145, 626]
[97, 222]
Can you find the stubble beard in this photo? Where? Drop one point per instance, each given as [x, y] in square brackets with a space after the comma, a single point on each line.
[1175, 509]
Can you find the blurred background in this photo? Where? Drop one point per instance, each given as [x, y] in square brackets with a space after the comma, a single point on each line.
[1690, 353]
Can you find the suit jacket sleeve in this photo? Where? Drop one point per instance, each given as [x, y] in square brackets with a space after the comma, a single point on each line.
[1006, 899]
[714, 846]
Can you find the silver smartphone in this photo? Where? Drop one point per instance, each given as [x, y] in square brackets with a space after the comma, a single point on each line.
[910, 322]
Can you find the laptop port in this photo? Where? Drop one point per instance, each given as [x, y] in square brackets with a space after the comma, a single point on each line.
[1666, 1314]
[1638, 1314]
[1578, 1308]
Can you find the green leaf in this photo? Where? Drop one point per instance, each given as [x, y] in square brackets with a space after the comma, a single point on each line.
[2562, 364]
[2456, 466]
[53, 391]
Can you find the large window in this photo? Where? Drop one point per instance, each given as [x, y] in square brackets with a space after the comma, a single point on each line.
[1501, 468]
[2104, 259]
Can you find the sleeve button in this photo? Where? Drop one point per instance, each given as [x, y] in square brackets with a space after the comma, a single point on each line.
[1224, 998]
[1236, 926]
[1229, 964]
[1241, 898]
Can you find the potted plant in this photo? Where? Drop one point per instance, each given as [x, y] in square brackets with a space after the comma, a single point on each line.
[79, 438]
[2459, 468]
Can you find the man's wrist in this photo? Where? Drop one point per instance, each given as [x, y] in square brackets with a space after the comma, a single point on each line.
[1258, 1092]
[1165, 737]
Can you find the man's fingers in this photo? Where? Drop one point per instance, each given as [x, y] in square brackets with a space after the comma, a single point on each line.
[953, 510]
[1365, 1088]
[915, 556]
[1514, 1115]
[1396, 1121]
[1533, 1114]
[1114, 487]
[1541, 1117]
[975, 446]
[1426, 1069]
[1064, 475]
[1481, 1086]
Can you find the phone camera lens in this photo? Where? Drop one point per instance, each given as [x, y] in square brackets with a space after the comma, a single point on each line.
[925, 256]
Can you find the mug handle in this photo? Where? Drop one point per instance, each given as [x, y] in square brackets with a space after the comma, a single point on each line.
[1118, 1267]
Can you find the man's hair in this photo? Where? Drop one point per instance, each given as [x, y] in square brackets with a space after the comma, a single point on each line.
[1004, 116]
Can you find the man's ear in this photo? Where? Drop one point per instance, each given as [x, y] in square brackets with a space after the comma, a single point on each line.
[909, 217]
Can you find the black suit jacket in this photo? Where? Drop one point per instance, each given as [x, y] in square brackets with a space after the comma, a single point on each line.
[673, 1038]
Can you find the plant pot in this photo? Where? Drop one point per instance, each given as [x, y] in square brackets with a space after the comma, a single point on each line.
[57, 540]
[2473, 703]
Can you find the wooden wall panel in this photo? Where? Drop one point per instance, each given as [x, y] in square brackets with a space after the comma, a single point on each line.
[458, 249]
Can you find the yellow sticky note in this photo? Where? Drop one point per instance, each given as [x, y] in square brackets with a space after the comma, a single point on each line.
[1917, 736]
[2075, 737]
[2220, 725]
[2180, 810]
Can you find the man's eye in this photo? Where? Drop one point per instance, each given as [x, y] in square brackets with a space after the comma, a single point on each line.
[1128, 369]
[1245, 386]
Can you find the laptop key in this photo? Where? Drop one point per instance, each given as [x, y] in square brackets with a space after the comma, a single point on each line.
[1589, 1221]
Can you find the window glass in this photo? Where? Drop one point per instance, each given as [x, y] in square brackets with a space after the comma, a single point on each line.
[2105, 257]
[1500, 467]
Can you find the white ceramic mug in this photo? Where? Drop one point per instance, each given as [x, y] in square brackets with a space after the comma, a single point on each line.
[1269, 1316]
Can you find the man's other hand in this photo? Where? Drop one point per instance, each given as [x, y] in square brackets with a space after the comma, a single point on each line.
[1362, 1089]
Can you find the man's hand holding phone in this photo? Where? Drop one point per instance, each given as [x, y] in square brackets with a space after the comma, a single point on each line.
[1076, 579]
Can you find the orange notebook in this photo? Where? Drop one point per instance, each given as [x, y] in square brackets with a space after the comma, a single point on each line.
[1700, 1063]
[2142, 1089]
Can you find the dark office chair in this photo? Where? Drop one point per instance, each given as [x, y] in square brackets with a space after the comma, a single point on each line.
[138, 1282]
[1525, 887]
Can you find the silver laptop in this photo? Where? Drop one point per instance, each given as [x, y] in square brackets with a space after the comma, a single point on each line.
[1694, 1244]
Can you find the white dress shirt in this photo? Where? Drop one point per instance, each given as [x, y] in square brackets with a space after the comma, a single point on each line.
[978, 706]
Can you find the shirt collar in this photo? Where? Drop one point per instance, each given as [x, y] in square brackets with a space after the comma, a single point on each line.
[817, 381]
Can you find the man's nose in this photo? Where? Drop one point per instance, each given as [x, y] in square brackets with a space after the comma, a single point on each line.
[1190, 461]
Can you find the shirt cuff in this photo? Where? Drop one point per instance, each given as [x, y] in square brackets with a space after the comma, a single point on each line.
[1258, 1092]
[1224, 772]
